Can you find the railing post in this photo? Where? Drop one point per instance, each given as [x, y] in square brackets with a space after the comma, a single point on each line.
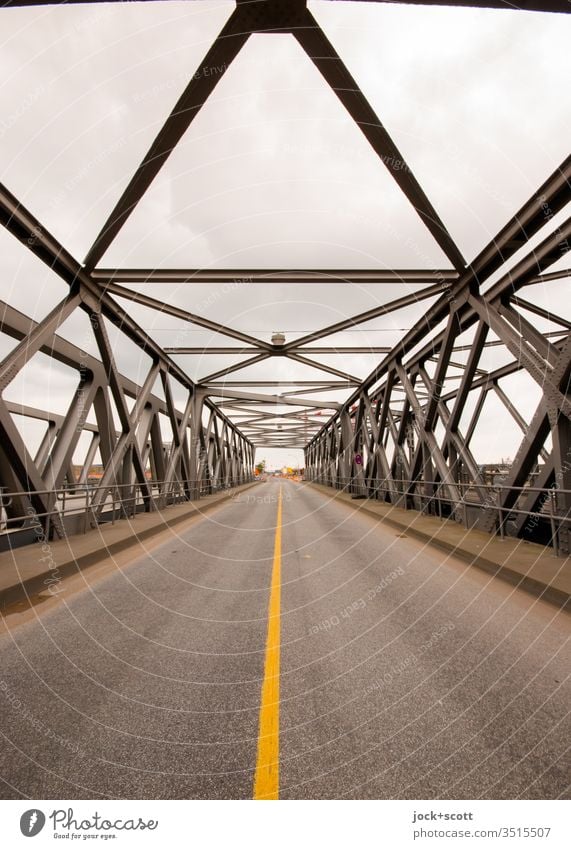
[500, 517]
[554, 527]
[195, 429]
[86, 509]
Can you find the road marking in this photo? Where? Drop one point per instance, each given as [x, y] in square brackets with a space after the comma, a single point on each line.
[267, 778]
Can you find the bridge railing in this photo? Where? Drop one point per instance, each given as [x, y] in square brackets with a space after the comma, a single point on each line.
[551, 513]
[75, 506]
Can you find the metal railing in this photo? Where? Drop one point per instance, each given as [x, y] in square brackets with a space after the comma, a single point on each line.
[555, 503]
[87, 505]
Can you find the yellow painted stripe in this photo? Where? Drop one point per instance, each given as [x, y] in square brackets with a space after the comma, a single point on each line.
[267, 779]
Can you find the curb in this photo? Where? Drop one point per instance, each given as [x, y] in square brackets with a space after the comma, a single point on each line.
[36, 584]
[535, 587]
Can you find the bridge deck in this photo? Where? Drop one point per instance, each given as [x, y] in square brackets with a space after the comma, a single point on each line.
[404, 672]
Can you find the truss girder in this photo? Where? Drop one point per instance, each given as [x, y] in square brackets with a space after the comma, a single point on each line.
[139, 462]
[410, 450]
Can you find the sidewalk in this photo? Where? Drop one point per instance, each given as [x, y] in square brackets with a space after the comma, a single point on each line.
[531, 567]
[32, 569]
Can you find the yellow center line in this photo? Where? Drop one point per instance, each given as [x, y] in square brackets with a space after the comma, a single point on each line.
[267, 778]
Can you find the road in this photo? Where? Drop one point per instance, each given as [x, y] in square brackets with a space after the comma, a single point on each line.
[404, 672]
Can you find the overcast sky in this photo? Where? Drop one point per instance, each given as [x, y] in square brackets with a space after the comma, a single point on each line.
[273, 173]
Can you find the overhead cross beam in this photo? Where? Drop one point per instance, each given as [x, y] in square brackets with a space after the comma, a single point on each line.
[561, 6]
[239, 277]
[274, 399]
[341, 349]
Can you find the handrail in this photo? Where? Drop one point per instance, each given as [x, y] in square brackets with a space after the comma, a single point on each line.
[373, 487]
[122, 499]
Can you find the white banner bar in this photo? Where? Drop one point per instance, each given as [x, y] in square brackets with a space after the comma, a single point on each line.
[287, 825]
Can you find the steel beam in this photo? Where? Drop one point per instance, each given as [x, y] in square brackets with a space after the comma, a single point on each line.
[218, 59]
[185, 315]
[327, 61]
[369, 315]
[561, 6]
[277, 276]
[276, 400]
[341, 349]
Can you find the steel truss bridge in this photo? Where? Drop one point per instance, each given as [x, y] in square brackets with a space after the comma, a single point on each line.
[397, 435]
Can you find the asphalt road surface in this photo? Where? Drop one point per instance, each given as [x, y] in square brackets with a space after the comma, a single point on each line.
[404, 672]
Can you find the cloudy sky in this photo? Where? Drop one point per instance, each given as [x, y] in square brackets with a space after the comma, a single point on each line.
[273, 173]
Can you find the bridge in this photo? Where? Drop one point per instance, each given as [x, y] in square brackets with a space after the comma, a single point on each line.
[390, 622]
